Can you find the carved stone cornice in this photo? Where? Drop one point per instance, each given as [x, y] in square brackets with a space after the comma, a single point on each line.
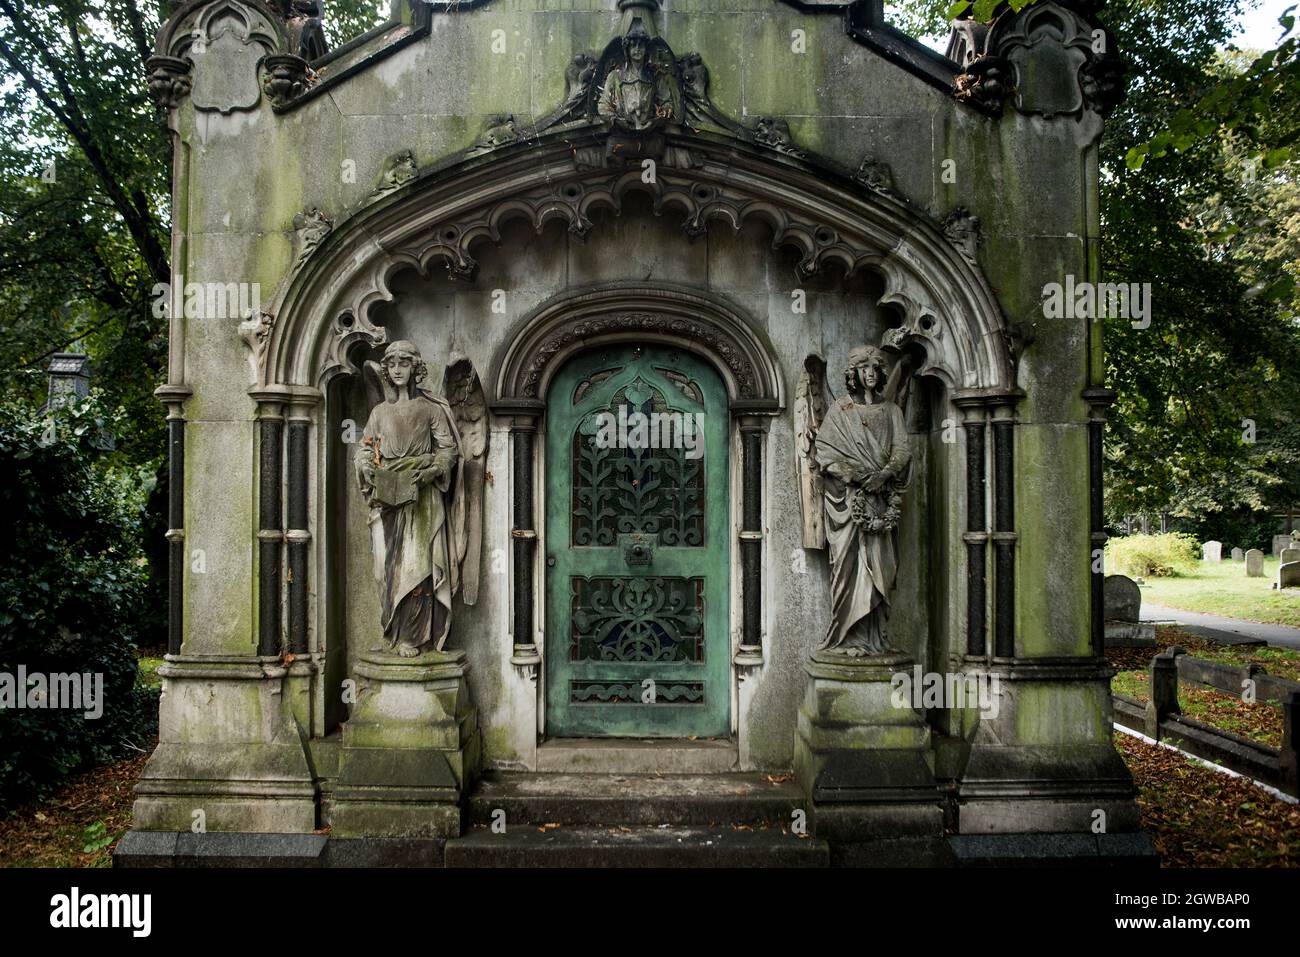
[285, 77]
[169, 80]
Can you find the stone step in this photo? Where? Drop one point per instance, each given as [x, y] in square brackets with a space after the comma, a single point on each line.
[637, 847]
[637, 756]
[635, 799]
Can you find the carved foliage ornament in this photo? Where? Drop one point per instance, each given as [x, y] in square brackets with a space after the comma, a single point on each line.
[169, 80]
[225, 42]
[1052, 59]
[638, 90]
[214, 54]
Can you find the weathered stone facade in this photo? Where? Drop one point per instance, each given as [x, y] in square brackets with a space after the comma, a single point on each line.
[802, 179]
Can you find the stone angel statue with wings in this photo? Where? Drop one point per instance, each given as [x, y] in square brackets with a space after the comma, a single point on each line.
[853, 456]
[421, 469]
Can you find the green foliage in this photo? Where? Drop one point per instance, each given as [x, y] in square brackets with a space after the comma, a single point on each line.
[1153, 556]
[72, 590]
[96, 837]
[982, 10]
[1262, 101]
[1219, 358]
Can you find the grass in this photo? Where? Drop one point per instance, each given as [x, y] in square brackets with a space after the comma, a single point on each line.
[1222, 588]
[1260, 721]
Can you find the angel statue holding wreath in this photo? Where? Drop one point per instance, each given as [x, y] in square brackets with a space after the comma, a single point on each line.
[420, 468]
[862, 458]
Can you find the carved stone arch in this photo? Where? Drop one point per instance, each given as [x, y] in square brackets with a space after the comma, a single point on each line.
[438, 218]
[201, 21]
[700, 322]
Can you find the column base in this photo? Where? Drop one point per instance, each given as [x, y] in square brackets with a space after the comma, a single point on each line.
[410, 749]
[230, 757]
[866, 764]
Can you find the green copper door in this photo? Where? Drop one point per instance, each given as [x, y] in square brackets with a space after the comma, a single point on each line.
[637, 609]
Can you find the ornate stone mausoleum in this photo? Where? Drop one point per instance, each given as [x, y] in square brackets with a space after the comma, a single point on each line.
[643, 403]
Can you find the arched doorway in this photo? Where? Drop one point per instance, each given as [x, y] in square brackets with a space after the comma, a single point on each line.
[637, 546]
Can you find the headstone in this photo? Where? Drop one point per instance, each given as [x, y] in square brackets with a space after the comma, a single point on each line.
[1291, 554]
[1280, 542]
[1238, 554]
[1212, 552]
[1124, 612]
[1254, 563]
[1288, 575]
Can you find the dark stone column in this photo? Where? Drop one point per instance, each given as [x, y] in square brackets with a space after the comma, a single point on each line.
[752, 430]
[270, 529]
[975, 412]
[1099, 400]
[1004, 532]
[298, 532]
[174, 397]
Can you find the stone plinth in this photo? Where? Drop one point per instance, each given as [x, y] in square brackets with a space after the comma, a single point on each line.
[865, 763]
[230, 756]
[410, 749]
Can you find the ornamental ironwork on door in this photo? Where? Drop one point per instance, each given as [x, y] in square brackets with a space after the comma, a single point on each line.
[637, 610]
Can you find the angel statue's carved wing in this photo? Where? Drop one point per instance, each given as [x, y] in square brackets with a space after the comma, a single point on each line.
[899, 384]
[468, 404]
[809, 408]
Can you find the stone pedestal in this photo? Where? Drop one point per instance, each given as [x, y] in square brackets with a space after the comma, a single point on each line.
[230, 756]
[410, 749]
[1044, 763]
[865, 763]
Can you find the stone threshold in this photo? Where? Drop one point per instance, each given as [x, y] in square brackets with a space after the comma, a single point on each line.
[638, 756]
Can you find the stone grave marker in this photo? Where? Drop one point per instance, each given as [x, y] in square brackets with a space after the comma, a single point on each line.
[1212, 552]
[1238, 554]
[1254, 563]
[1124, 626]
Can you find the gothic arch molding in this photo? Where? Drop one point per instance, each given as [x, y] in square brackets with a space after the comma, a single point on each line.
[437, 219]
[691, 319]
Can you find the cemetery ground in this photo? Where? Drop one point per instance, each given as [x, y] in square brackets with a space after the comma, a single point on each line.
[1222, 588]
[1196, 816]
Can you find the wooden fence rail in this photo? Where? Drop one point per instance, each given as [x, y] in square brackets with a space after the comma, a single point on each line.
[1161, 718]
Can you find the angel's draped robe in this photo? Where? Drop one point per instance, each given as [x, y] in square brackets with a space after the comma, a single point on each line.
[854, 442]
[411, 542]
